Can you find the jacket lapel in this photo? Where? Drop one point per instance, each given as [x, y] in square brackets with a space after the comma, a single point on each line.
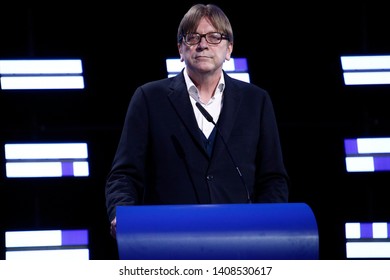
[231, 103]
[179, 99]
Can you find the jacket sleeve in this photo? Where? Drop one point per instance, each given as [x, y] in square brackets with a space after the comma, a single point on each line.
[124, 184]
[272, 180]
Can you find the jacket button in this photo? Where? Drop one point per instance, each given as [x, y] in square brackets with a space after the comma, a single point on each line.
[210, 177]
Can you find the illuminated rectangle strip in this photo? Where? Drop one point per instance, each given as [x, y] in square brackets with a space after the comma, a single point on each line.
[41, 74]
[74, 237]
[365, 62]
[240, 76]
[174, 65]
[36, 238]
[240, 64]
[367, 230]
[382, 163]
[33, 169]
[352, 230]
[367, 78]
[235, 65]
[46, 151]
[366, 70]
[367, 154]
[47, 244]
[46, 160]
[49, 255]
[359, 164]
[369, 164]
[46, 169]
[42, 82]
[375, 230]
[41, 66]
[368, 250]
[373, 145]
[45, 238]
[350, 146]
[367, 240]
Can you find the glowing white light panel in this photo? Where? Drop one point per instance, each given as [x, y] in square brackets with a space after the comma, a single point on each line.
[41, 74]
[47, 245]
[367, 240]
[46, 160]
[235, 67]
[367, 154]
[366, 70]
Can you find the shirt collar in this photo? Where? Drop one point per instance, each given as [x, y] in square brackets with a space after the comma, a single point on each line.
[193, 91]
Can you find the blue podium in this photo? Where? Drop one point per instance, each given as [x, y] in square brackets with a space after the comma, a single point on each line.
[271, 231]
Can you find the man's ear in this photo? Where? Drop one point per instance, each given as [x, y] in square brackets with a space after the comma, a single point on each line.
[181, 56]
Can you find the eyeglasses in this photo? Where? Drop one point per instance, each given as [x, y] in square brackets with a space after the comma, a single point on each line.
[211, 38]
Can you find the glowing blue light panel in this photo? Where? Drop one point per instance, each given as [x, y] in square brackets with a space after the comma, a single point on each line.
[47, 245]
[367, 240]
[235, 67]
[366, 70]
[46, 160]
[367, 154]
[41, 74]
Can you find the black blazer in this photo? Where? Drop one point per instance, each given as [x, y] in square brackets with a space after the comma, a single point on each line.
[161, 157]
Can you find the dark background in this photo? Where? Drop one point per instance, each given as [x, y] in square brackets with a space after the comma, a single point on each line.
[293, 51]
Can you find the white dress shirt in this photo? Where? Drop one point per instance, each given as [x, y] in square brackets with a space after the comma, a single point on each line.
[213, 107]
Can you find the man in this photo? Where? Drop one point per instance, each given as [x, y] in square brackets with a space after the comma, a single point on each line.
[169, 153]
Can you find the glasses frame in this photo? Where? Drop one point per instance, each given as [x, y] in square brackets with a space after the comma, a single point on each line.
[200, 36]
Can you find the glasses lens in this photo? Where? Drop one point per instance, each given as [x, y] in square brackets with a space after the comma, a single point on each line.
[213, 38]
[192, 38]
